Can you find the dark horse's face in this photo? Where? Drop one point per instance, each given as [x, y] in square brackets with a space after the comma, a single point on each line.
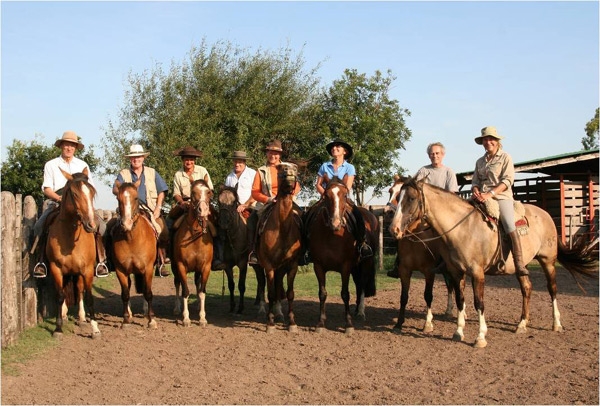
[336, 204]
[409, 214]
[78, 199]
[228, 202]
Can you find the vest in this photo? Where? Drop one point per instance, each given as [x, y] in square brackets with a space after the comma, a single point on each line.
[149, 181]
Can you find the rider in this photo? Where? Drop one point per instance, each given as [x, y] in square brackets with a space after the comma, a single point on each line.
[52, 186]
[339, 167]
[242, 177]
[151, 193]
[264, 191]
[182, 189]
[436, 174]
[493, 178]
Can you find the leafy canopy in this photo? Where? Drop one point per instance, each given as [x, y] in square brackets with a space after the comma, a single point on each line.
[590, 141]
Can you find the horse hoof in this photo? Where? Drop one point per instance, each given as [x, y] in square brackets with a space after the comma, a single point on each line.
[57, 334]
[521, 330]
[96, 335]
[558, 328]
[270, 329]
[480, 343]
[125, 326]
[293, 328]
[203, 323]
[457, 337]
[319, 330]
[349, 331]
[428, 328]
[187, 323]
[153, 324]
[79, 323]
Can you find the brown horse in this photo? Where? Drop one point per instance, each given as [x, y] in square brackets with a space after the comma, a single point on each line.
[474, 248]
[134, 250]
[333, 247]
[419, 252]
[279, 245]
[71, 248]
[193, 250]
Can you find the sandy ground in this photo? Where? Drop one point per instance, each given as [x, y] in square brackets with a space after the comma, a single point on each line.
[234, 361]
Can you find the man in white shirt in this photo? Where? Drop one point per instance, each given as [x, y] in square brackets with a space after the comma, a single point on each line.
[241, 177]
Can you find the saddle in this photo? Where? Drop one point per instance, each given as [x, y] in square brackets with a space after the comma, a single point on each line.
[490, 211]
[266, 212]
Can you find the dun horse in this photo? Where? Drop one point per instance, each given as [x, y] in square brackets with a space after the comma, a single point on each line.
[193, 250]
[333, 247]
[474, 248]
[134, 248]
[71, 248]
[233, 227]
[279, 245]
[419, 252]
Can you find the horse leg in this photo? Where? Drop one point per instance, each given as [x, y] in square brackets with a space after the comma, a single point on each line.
[292, 327]
[89, 301]
[185, 294]
[346, 298]
[360, 293]
[125, 286]
[525, 284]
[272, 296]
[201, 281]
[261, 282]
[450, 303]
[242, 286]
[60, 302]
[550, 272]
[177, 282]
[428, 296]
[322, 297]
[231, 286]
[148, 296]
[81, 311]
[405, 275]
[459, 288]
[478, 281]
[280, 292]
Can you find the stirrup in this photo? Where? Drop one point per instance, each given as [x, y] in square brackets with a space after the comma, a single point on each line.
[42, 273]
[163, 272]
[365, 251]
[252, 258]
[101, 270]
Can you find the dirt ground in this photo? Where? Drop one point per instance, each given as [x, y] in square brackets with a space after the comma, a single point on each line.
[234, 361]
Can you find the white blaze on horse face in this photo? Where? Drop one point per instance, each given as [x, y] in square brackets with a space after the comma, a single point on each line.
[396, 225]
[394, 199]
[89, 205]
[201, 194]
[336, 215]
[127, 215]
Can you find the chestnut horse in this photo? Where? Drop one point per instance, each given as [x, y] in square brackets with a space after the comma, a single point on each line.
[333, 247]
[134, 250]
[71, 248]
[421, 253]
[193, 250]
[279, 245]
[233, 226]
[474, 248]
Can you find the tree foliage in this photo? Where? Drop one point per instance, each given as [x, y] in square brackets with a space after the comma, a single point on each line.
[590, 141]
[23, 169]
[358, 110]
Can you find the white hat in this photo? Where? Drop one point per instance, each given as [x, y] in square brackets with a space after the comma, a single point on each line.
[137, 150]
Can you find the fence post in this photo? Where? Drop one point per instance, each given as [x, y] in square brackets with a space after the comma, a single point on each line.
[381, 243]
[10, 293]
[29, 314]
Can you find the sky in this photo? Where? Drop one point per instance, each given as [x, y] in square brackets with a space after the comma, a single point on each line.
[528, 68]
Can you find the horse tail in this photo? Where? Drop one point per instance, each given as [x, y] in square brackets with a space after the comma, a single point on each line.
[580, 260]
[70, 290]
[368, 272]
[138, 279]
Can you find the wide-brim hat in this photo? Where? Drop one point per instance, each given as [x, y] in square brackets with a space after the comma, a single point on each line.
[137, 150]
[487, 132]
[188, 151]
[69, 136]
[347, 147]
[239, 155]
[274, 146]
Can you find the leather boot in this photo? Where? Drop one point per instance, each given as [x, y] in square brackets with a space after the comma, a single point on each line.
[517, 252]
[393, 273]
[163, 271]
[101, 268]
[217, 263]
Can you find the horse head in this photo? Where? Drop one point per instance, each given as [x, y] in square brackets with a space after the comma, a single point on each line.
[78, 199]
[200, 199]
[287, 174]
[228, 202]
[410, 212]
[129, 205]
[394, 191]
[335, 196]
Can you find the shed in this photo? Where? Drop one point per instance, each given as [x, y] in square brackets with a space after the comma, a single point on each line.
[566, 186]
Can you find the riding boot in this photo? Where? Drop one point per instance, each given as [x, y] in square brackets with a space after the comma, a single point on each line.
[101, 268]
[393, 273]
[162, 269]
[251, 234]
[41, 270]
[218, 263]
[360, 234]
[517, 252]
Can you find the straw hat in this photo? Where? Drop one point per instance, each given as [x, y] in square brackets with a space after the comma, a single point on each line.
[239, 155]
[274, 145]
[137, 150]
[347, 147]
[487, 132]
[188, 151]
[69, 136]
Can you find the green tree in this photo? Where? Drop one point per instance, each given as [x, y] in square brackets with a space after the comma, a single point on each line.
[23, 170]
[358, 110]
[590, 141]
[219, 99]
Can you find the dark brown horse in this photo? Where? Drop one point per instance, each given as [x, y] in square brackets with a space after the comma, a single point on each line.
[474, 248]
[134, 250]
[279, 245]
[71, 248]
[333, 247]
[193, 250]
[233, 226]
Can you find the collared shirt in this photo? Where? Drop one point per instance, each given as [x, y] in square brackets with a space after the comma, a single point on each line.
[344, 169]
[499, 169]
[244, 183]
[53, 177]
[182, 185]
[161, 185]
[442, 177]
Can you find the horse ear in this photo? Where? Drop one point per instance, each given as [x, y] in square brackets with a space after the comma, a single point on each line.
[138, 183]
[118, 184]
[67, 175]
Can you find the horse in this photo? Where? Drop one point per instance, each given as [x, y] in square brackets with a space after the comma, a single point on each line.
[421, 254]
[193, 250]
[279, 245]
[333, 247]
[474, 248]
[71, 249]
[134, 250]
[233, 226]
